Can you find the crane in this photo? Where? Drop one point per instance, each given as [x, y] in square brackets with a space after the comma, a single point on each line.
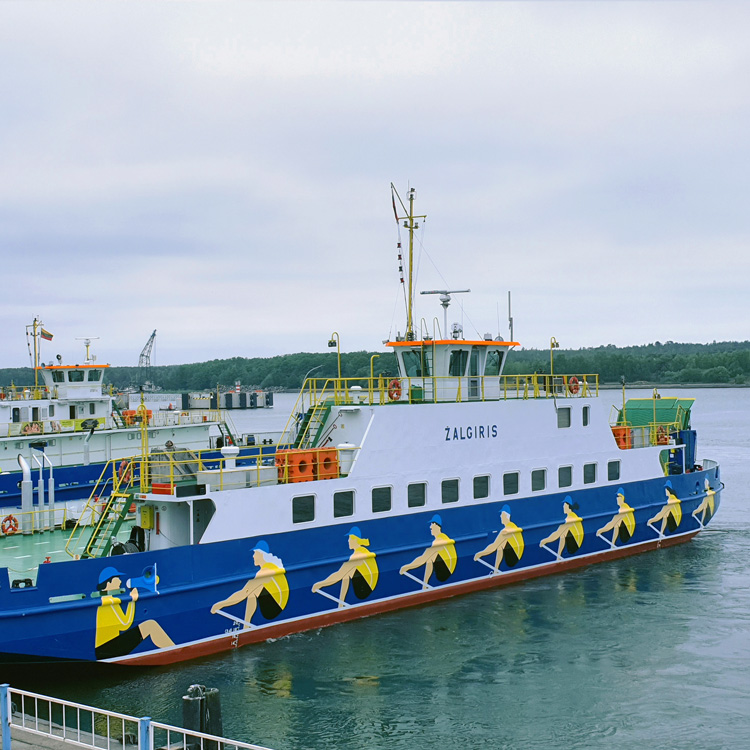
[144, 361]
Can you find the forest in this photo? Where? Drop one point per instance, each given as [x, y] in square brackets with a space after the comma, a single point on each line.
[669, 363]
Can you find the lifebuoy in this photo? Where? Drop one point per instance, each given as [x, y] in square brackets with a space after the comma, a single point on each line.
[661, 435]
[9, 525]
[123, 472]
[573, 385]
[394, 389]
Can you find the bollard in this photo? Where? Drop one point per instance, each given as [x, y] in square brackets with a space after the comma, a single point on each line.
[201, 712]
[192, 708]
[213, 713]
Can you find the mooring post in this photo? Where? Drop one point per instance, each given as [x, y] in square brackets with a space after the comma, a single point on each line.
[5, 714]
[144, 733]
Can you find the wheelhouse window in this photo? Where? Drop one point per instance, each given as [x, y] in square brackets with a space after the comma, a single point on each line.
[95, 375]
[381, 499]
[492, 364]
[343, 503]
[303, 508]
[586, 415]
[449, 490]
[613, 471]
[565, 476]
[481, 487]
[75, 376]
[589, 473]
[538, 480]
[457, 363]
[416, 495]
[510, 483]
[413, 364]
[563, 416]
[58, 376]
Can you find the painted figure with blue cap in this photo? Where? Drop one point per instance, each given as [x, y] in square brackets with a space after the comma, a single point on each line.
[569, 534]
[671, 513]
[115, 633]
[439, 558]
[360, 569]
[267, 591]
[622, 524]
[508, 544]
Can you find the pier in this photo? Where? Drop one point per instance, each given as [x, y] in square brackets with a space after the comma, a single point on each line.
[31, 720]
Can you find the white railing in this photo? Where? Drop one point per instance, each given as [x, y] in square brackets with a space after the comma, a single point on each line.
[85, 726]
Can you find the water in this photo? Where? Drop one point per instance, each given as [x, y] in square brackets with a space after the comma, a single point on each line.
[651, 650]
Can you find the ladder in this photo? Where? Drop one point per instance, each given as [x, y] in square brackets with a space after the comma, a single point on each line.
[311, 424]
[110, 521]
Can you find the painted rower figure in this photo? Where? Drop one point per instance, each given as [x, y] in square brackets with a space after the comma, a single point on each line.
[622, 524]
[508, 544]
[569, 534]
[440, 557]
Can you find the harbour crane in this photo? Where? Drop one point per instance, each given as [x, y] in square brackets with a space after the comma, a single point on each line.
[144, 361]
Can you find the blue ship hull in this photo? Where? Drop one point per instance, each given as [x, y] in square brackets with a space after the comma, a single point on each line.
[191, 579]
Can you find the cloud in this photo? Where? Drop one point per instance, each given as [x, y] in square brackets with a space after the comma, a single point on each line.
[221, 171]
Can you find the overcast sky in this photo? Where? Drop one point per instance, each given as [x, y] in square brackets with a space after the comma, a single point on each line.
[220, 172]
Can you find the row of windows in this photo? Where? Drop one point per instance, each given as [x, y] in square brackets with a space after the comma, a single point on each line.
[76, 376]
[303, 506]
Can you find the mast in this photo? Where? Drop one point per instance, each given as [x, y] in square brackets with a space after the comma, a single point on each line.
[411, 224]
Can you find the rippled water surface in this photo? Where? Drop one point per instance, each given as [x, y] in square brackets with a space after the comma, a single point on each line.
[652, 650]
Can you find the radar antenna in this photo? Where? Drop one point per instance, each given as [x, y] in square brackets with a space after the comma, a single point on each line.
[445, 300]
[87, 343]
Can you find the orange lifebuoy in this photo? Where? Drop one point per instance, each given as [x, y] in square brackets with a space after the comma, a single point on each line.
[661, 436]
[123, 472]
[9, 525]
[394, 389]
[573, 385]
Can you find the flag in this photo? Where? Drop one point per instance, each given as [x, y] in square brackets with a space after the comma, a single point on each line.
[46, 335]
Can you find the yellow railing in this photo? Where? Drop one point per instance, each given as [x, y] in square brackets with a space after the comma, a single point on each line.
[32, 521]
[629, 436]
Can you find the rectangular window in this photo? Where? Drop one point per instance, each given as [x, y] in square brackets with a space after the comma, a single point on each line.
[343, 503]
[94, 375]
[58, 376]
[481, 487]
[613, 471]
[449, 490]
[563, 416]
[51, 410]
[303, 508]
[565, 476]
[492, 365]
[381, 499]
[75, 376]
[92, 408]
[589, 473]
[510, 483]
[586, 415]
[538, 480]
[457, 364]
[416, 495]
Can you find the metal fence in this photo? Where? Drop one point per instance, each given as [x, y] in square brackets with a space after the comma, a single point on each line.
[76, 724]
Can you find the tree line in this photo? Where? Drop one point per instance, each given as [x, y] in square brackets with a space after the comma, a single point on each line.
[661, 364]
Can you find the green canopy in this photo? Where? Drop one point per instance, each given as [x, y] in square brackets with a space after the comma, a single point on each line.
[641, 412]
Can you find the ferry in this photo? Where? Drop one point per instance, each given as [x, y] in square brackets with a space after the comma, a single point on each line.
[447, 478]
[69, 425]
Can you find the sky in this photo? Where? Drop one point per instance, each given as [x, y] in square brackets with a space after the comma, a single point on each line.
[221, 172]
